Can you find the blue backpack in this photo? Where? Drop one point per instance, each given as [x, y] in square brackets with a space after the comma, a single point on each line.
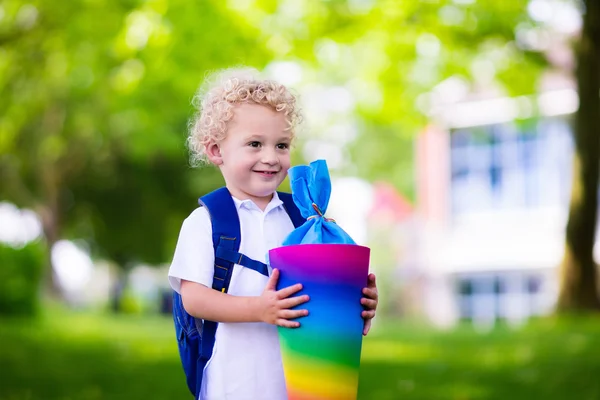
[196, 337]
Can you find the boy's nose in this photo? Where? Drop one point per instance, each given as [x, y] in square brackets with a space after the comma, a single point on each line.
[269, 157]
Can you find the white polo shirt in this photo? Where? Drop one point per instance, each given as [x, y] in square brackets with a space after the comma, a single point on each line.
[246, 360]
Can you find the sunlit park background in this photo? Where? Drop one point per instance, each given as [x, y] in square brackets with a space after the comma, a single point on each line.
[462, 139]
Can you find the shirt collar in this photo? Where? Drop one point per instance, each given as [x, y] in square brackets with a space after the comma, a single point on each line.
[249, 204]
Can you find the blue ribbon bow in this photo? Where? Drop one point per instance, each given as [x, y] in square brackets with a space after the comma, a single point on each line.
[311, 189]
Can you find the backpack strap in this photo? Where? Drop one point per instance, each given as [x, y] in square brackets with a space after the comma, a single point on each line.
[292, 209]
[225, 234]
[226, 238]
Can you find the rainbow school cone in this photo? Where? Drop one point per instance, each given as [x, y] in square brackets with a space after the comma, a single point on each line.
[321, 358]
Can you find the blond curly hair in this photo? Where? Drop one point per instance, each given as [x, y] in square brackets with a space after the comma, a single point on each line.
[221, 92]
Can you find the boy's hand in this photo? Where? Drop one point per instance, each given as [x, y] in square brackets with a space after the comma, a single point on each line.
[369, 302]
[274, 305]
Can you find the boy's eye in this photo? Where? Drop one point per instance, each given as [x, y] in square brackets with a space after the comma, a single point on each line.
[283, 146]
[254, 144]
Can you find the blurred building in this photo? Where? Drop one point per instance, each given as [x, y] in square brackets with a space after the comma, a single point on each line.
[492, 203]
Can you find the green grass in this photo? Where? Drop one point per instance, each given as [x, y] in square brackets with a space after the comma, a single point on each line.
[71, 356]
[89, 357]
[548, 359]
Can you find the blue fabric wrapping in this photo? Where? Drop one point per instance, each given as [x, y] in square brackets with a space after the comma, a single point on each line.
[311, 185]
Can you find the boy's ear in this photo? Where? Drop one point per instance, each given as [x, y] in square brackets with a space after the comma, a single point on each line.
[213, 152]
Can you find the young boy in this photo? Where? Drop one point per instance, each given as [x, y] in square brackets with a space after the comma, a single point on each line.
[245, 126]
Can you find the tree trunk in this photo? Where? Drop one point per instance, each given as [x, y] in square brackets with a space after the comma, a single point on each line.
[50, 180]
[578, 282]
[49, 217]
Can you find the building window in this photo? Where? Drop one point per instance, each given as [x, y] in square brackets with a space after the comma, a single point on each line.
[510, 166]
[513, 296]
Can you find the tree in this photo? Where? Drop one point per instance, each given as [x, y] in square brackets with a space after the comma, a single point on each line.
[95, 100]
[578, 283]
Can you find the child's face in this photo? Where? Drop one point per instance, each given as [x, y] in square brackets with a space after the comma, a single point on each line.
[254, 157]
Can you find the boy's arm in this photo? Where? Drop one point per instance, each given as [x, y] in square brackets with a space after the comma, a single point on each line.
[272, 306]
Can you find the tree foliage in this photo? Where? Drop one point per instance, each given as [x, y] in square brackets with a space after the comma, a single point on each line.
[392, 55]
[95, 103]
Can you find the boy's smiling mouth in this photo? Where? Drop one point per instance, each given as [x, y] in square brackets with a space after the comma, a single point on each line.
[266, 173]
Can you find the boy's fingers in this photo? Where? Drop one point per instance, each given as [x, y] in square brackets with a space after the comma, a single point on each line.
[367, 327]
[372, 280]
[368, 303]
[287, 324]
[368, 314]
[370, 293]
[293, 301]
[292, 314]
[272, 282]
[288, 291]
